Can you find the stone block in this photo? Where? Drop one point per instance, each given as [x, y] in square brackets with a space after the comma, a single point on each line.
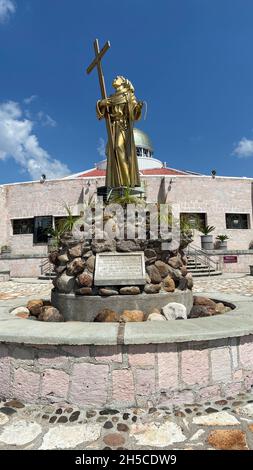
[89, 384]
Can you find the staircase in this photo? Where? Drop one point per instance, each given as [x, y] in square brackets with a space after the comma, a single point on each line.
[199, 264]
[47, 272]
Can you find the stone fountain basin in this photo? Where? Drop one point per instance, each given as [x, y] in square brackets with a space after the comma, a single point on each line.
[86, 308]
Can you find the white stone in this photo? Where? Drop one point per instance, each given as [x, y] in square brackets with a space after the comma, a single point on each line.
[156, 434]
[221, 418]
[174, 311]
[197, 435]
[246, 410]
[20, 310]
[20, 433]
[156, 317]
[3, 419]
[65, 437]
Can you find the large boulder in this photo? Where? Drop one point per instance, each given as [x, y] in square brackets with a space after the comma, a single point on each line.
[63, 258]
[169, 284]
[205, 302]
[152, 288]
[76, 251]
[108, 316]
[175, 262]
[35, 307]
[53, 257]
[85, 279]
[50, 314]
[100, 246]
[199, 311]
[189, 280]
[132, 316]
[65, 283]
[75, 267]
[154, 274]
[162, 267]
[150, 256]
[174, 311]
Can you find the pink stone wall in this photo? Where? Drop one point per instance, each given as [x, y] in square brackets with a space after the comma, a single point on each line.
[123, 376]
[215, 197]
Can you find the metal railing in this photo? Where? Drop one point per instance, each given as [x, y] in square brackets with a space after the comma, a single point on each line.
[200, 256]
[46, 268]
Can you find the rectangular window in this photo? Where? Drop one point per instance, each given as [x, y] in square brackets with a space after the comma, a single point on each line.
[195, 220]
[237, 221]
[22, 226]
[41, 228]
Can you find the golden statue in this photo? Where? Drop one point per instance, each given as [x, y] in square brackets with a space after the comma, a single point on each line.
[120, 111]
[123, 109]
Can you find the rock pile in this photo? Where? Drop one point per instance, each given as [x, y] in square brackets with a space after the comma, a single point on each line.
[74, 265]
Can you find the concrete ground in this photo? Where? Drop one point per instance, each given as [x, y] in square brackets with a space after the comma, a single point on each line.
[220, 424]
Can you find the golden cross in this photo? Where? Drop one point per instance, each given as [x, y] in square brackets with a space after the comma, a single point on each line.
[97, 63]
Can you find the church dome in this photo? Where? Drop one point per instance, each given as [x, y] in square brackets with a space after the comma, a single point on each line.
[142, 140]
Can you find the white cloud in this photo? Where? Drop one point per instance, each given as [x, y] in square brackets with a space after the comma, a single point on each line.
[18, 141]
[244, 148]
[7, 8]
[30, 99]
[46, 120]
[101, 147]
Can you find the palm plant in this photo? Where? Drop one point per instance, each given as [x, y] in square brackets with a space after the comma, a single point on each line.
[222, 238]
[207, 229]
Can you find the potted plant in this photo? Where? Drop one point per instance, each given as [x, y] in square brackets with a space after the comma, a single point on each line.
[222, 240]
[206, 238]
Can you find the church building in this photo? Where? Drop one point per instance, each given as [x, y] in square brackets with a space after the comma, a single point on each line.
[225, 203]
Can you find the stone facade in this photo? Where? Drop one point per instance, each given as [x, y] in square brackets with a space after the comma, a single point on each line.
[122, 375]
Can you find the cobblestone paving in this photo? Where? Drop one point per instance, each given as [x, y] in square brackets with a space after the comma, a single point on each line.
[239, 285]
[12, 289]
[223, 424]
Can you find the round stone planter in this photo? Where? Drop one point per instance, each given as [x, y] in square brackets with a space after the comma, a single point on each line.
[206, 242]
[86, 308]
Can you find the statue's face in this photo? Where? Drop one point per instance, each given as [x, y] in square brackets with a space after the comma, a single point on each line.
[117, 82]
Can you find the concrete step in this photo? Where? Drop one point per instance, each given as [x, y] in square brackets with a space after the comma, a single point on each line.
[206, 274]
[47, 276]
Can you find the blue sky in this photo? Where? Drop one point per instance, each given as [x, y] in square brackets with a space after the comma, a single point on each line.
[191, 60]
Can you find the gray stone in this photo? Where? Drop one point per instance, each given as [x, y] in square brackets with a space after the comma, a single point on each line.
[174, 311]
[152, 288]
[76, 251]
[65, 283]
[154, 274]
[182, 285]
[128, 245]
[199, 311]
[175, 273]
[100, 246]
[162, 267]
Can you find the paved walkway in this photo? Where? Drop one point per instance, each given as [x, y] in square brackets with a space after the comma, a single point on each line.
[224, 424]
[240, 284]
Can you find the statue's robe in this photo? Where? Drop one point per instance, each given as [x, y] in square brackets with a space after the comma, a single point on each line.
[122, 165]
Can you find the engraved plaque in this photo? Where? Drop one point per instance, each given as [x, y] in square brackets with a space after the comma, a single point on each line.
[120, 269]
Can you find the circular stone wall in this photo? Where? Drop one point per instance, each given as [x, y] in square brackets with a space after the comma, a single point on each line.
[86, 308]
